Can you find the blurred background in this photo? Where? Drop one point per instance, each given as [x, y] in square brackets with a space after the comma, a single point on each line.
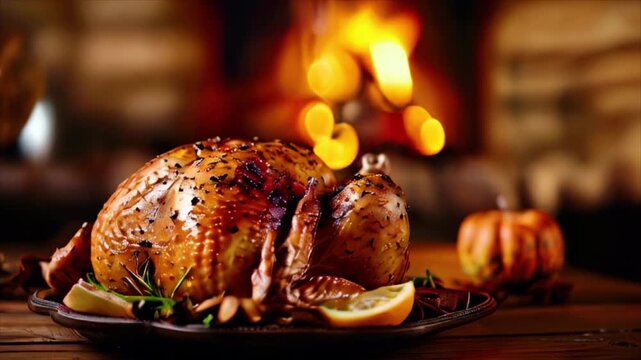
[537, 101]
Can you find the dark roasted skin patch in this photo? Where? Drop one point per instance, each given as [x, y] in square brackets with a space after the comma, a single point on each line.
[277, 198]
[387, 179]
[252, 173]
[218, 178]
[145, 243]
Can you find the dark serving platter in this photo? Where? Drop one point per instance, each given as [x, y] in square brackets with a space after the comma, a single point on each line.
[109, 330]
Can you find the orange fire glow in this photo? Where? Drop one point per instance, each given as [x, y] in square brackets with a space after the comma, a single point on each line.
[425, 131]
[392, 71]
[334, 76]
[358, 30]
[335, 144]
[341, 149]
[351, 42]
[432, 137]
[318, 121]
[413, 118]
[367, 25]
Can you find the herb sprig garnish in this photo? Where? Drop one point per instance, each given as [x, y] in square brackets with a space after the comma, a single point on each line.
[429, 280]
[151, 301]
[92, 280]
[207, 321]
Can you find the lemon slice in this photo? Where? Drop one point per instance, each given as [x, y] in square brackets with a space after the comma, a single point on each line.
[85, 298]
[385, 306]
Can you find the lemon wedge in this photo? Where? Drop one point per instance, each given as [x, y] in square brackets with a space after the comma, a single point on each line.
[385, 306]
[85, 298]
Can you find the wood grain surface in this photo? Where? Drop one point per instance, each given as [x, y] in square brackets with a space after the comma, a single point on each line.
[601, 320]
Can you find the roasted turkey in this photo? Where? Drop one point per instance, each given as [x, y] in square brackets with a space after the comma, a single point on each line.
[260, 220]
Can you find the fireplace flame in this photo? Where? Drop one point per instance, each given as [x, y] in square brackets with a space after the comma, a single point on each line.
[334, 76]
[335, 144]
[358, 50]
[340, 150]
[318, 121]
[426, 132]
[392, 71]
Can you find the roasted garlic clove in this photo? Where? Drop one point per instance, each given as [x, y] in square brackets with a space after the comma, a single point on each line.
[228, 309]
[209, 303]
[252, 311]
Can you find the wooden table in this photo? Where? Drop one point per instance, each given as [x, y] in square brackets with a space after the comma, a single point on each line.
[601, 320]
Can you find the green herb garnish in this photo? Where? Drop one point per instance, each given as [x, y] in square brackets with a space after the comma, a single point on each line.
[429, 280]
[208, 319]
[179, 283]
[92, 280]
[151, 295]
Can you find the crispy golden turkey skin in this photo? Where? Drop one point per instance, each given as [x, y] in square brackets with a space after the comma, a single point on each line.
[364, 236]
[260, 220]
[208, 207]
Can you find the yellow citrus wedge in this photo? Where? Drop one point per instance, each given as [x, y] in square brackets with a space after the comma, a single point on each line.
[385, 306]
[84, 298]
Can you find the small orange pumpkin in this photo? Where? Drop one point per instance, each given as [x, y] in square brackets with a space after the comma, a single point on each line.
[510, 247]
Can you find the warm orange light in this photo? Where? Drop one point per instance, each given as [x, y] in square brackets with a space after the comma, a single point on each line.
[359, 30]
[392, 71]
[318, 121]
[432, 137]
[341, 149]
[426, 132]
[335, 144]
[334, 76]
[359, 53]
[365, 27]
[413, 118]
[402, 28]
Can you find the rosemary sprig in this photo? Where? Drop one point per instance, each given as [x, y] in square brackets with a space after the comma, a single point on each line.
[92, 280]
[180, 282]
[429, 280]
[146, 280]
[150, 293]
